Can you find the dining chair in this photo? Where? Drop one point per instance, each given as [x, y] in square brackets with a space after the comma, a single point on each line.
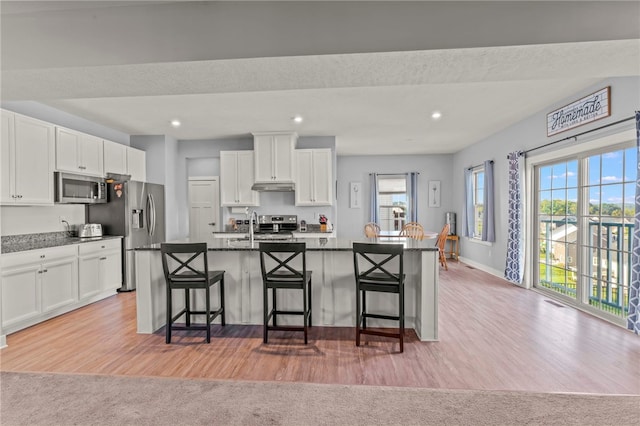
[440, 243]
[372, 230]
[185, 268]
[412, 230]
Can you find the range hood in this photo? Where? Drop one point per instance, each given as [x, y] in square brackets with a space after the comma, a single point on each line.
[274, 187]
[117, 177]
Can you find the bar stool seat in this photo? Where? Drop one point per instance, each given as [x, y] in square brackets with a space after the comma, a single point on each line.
[373, 272]
[183, 274]
[278, 272]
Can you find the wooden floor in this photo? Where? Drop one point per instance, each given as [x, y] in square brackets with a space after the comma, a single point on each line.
[492, 336]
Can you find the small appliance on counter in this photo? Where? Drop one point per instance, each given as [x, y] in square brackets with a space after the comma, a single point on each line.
[90, 230]
[303, 226]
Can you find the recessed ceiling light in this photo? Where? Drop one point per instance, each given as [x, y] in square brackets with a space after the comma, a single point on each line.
[436, 115]
[175, 123]
[298, 119]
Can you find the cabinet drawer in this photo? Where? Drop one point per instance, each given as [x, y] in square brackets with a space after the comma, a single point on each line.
[98, 246]
[37, 256]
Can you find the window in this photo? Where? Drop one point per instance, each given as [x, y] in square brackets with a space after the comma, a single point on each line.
[478, 201]
[585, 219]
[392, 202]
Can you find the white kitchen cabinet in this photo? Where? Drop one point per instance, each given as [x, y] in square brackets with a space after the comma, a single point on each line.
[115, 157]
[274, 157]
[314, 177]
[236, 179]
[59, 286]
[37, 283]
[137, 164]
[27, 160]
[99, 267]
[78, 153]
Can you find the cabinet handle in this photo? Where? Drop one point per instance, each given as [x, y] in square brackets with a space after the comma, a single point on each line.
[101, 246]
[212, 224]
[19, 196]
[39, 272]
[103, 258]
[45, 270]
[42, 256]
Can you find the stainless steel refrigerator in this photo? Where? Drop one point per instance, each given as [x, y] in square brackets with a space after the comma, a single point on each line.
[135, 211]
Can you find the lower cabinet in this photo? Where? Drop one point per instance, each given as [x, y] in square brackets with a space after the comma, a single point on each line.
[100, 267]
[40, 284]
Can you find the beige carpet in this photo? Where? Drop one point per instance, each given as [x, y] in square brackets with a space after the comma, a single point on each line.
[61, 399]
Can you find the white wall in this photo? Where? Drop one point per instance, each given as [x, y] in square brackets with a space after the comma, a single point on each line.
[527, 134]
[357, 169]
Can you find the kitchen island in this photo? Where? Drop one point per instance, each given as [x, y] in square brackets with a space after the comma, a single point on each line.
[333, 284]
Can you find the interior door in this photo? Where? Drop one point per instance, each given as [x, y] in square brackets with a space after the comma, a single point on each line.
[204, 207]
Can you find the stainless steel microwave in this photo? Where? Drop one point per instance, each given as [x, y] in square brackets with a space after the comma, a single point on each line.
[79, 189]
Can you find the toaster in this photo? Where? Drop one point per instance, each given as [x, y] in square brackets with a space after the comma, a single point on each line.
[90, 230]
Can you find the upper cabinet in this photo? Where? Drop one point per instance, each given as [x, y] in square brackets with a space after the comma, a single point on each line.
[27, 160]
[236, 179]
[274, 154]
[78, 152]
[314, 177]
[124, 160]
[115, 157]
[137, 164]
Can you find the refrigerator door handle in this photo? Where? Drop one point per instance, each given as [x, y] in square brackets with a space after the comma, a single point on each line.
[152, 215]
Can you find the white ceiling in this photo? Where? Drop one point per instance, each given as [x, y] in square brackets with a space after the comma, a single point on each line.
[369, 73]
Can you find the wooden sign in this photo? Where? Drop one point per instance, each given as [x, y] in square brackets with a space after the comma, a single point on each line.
[590, 108]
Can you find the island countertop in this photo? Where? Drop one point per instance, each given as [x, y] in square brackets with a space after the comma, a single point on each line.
[313, 244]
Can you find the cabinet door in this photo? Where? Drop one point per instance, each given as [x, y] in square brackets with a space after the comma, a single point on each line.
[136, 164]
[245, 180]
[283, 146]
[263, 158]
[304, 177]
[115, 157]
[228, 178]
[322, 177]
[34, 158]
[7, 160]
[110, 265]
[91, 157]
[67, 151]
[89, 283]
[20, 299]
[59, 284]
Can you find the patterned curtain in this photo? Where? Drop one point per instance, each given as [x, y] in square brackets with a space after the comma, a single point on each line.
[514, 270]
[373, 216]
[633, 322]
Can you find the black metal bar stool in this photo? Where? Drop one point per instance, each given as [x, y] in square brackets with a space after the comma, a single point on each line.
[276, 261]
[375, 262]
[184, 274]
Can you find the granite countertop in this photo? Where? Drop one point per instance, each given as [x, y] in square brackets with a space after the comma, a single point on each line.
[25, 242]
[313, 244]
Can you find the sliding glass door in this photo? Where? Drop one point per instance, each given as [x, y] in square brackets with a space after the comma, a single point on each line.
[584, 220]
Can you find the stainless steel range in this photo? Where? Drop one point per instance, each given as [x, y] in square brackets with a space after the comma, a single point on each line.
[277, 224]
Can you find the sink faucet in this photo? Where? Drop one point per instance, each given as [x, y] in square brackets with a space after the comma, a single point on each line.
[253, 220]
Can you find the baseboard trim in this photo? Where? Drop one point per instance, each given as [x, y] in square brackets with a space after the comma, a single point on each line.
[484, 268]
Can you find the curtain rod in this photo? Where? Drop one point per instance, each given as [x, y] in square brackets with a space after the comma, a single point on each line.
[393, 174]
[478, 165]
[576, 135]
